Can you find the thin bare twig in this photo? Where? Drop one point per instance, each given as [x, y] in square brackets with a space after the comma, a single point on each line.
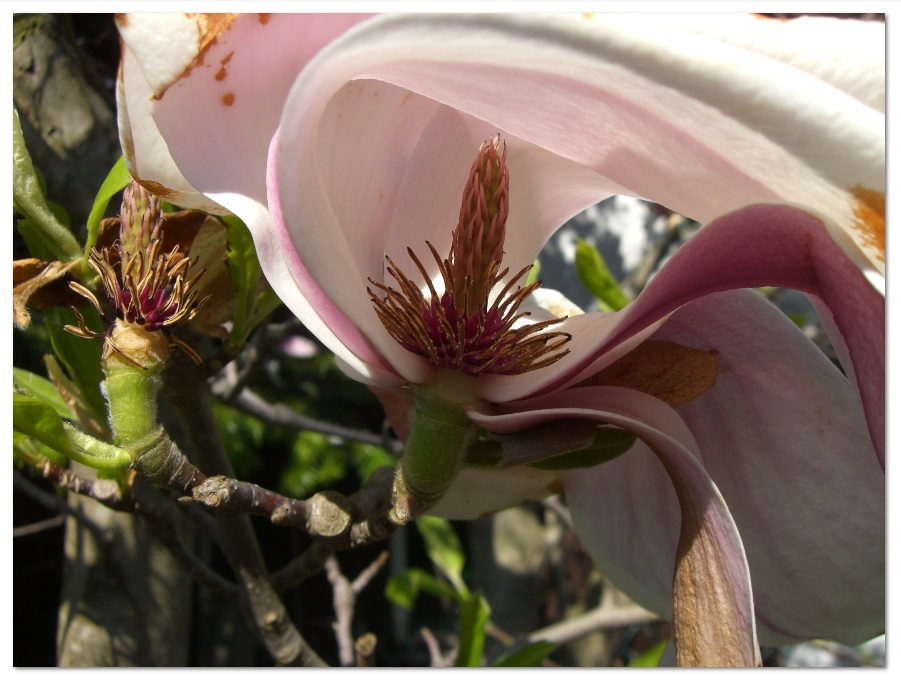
[305, 566]
[602, 617]
[281, 415]
[436, 658]
[38, 527]
[238, 541]
[54, 502]
[345, 599]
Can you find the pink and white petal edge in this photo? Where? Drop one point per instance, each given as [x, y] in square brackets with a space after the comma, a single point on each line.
[712, 602]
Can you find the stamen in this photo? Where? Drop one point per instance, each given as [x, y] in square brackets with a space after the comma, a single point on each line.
[458, 328]
[152, 289]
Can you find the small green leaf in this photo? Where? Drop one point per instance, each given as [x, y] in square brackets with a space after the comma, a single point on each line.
[32, 452]
[403, 589]
[39, 420]
[80, 356]
[529, 656]
[596, 277]
[117, 179]
[607, 445]
[266, 301]
[474, 613]
[534, 273]
[29, 200]
[245, 272]
[650, 658]
[42, 389]
[443, 548]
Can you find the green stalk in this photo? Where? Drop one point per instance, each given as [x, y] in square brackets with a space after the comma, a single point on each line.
[440, 437]
[131, 389]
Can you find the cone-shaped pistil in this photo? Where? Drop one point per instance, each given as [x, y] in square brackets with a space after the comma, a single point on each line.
[460, 327]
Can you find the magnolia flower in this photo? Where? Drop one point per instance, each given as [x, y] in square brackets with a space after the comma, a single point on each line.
[756, 463]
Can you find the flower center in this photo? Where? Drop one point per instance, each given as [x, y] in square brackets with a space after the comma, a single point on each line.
[460, 328]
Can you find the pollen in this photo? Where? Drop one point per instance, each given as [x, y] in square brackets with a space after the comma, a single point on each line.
[461, 327]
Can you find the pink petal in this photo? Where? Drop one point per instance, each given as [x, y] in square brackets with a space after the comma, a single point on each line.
[697, 124]
[713, 616]
[379, 190]
[220, 93]
[146, 154]
[785, 438]
[767, 245]
[847, 54]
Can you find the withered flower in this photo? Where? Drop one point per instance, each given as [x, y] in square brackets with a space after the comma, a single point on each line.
[147, 289]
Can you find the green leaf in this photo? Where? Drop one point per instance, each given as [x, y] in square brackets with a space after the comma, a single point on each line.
[39, 420]
[117, 179]
[607, 445]
[443, 548]
[80, 356]
[560, 445]
[474, 613]
[266, 301]
[42, 389]
[529, 656]
[403, 589]
[244, 269]
[534, 273]
[32, 452]
[650, 658]
[596, 277]
[29, 199]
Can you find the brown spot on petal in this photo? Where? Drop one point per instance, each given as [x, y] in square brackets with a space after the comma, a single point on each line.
[210, 27]
[156, 188]
[228, 98]
[128, 149]
[264, 18]
[712, 606]
[671, 372]
[222, 72]
[869, 213]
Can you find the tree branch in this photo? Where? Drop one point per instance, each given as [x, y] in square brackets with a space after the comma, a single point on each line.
[238, 541]
[281, 415]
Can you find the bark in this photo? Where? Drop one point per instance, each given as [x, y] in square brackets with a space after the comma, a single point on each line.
[126, 600]
[68, 123]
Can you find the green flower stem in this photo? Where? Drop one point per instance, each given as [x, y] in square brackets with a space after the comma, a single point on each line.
[132, 362]
[440, 437]
[131, 394]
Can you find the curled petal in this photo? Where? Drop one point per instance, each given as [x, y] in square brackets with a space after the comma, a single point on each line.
[767, 245]
[713, 608]
[783, 436]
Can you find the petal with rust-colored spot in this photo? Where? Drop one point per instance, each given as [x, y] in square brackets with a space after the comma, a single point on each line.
[870, 219]
[666, 370]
